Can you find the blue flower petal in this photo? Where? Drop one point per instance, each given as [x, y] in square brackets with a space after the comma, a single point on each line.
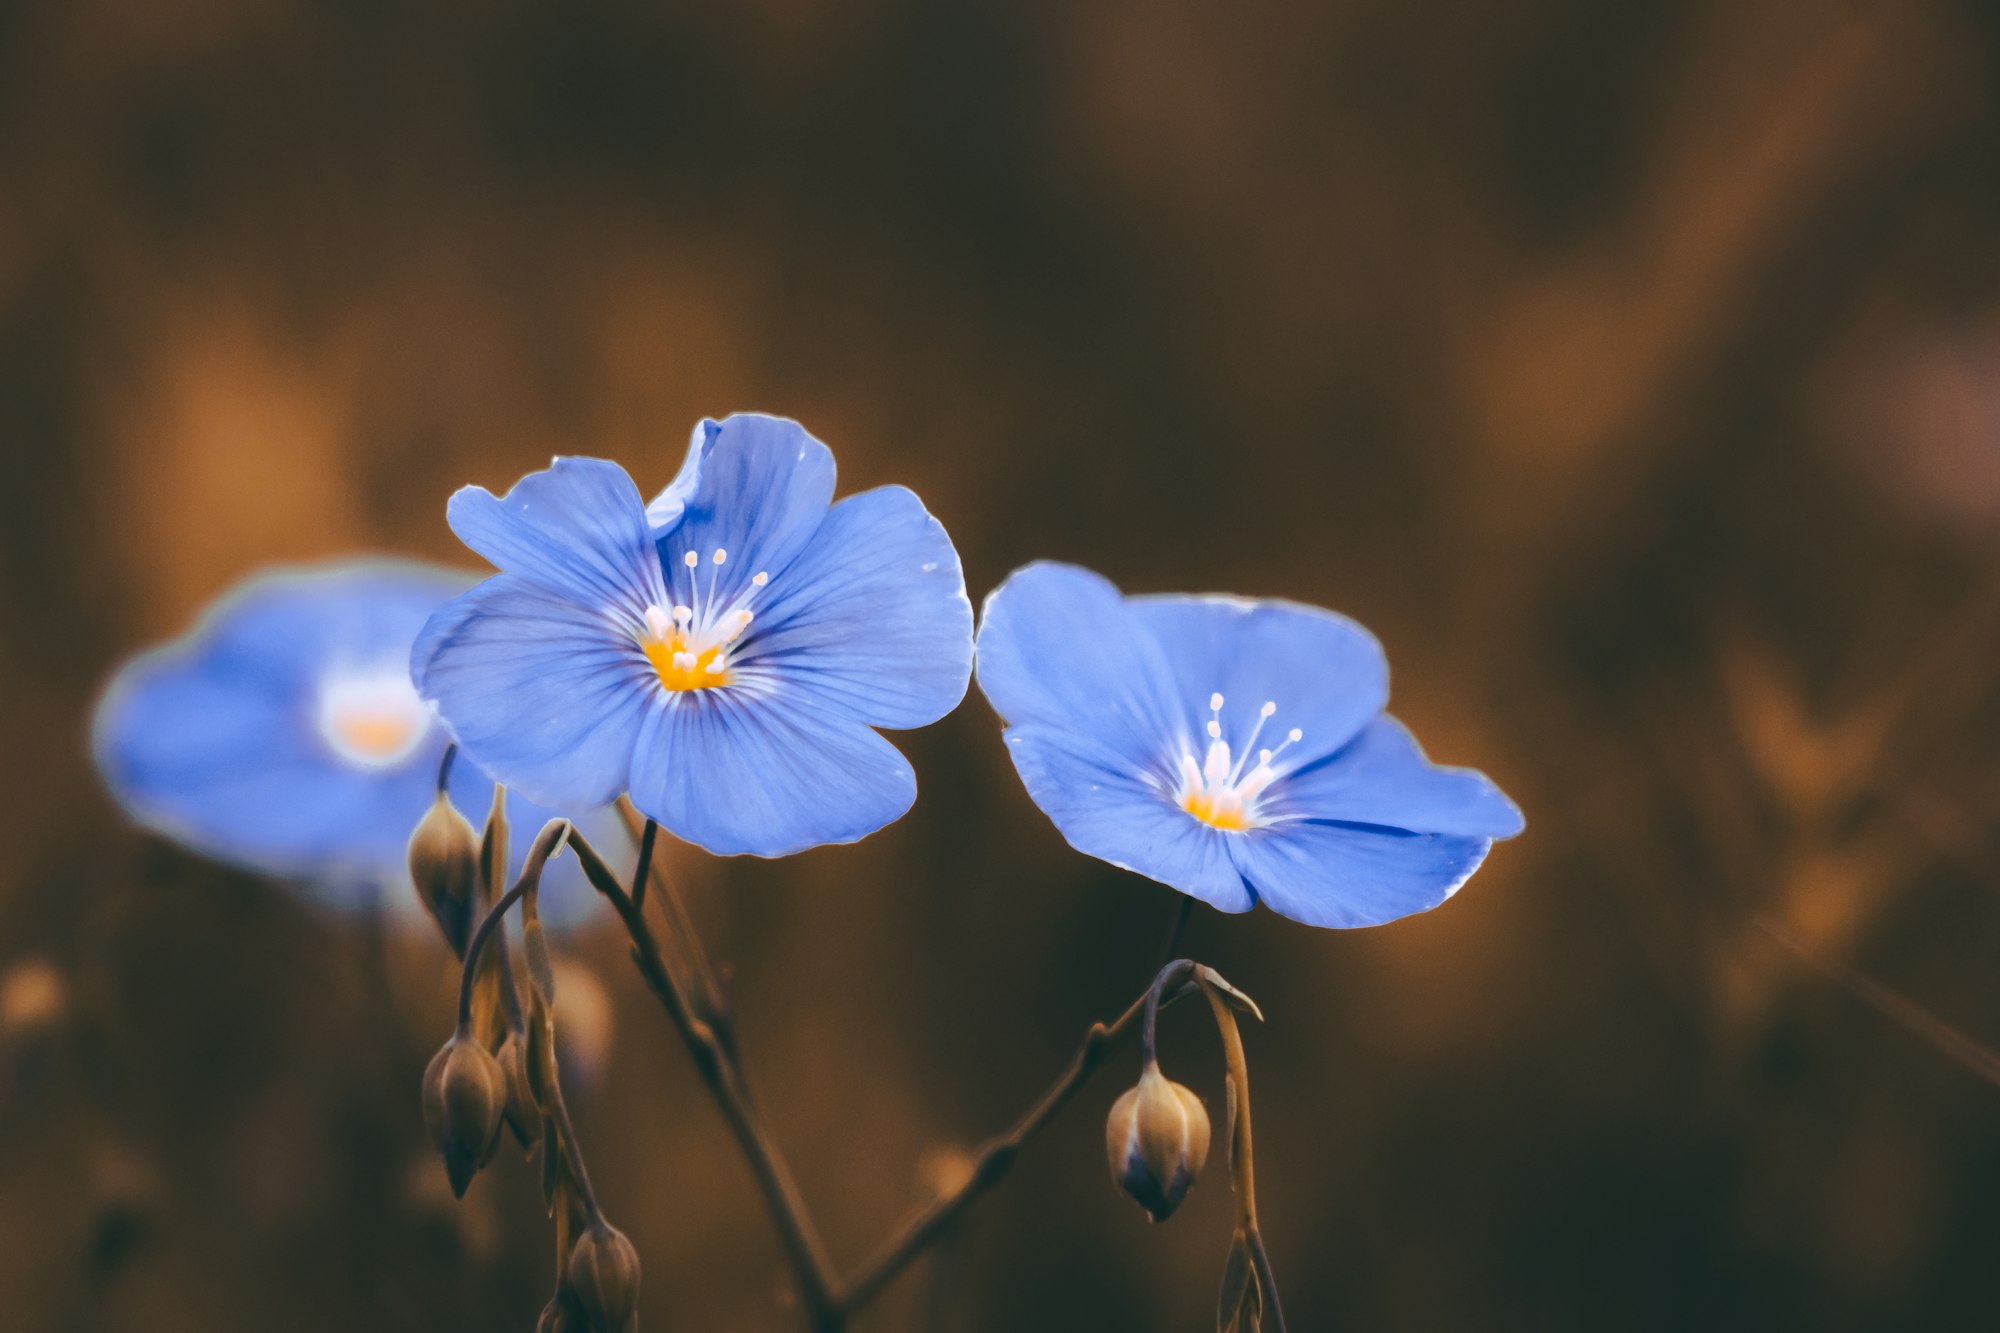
[763, 489]
[872, 620]
[236, 774]
[1107, 808]
[1382, 777]
[1058, 645]
[727, 771]
[1348, 875]
[664, 512]
[544, 693]
[1326, 674]
[578, 528]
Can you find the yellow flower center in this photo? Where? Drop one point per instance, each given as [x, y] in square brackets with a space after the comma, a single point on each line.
[1224, 790]
[377, 736]
[689, 644]
[1215, 811]
[371, 717]
[682, 668]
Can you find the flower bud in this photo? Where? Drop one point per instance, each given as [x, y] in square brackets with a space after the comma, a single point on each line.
[444, 865]
[465, 1095]
[1157, 1138]
[604, 1278]
[524, 1116]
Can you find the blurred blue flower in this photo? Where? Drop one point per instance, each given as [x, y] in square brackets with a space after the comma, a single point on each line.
[724, 655]
[1235, 750]
[283, 734]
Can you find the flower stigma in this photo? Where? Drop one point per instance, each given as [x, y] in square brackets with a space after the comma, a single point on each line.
[372, 718]
[1216, 789]
[689, 644]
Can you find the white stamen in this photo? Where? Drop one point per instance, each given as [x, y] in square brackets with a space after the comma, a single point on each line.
[1215, 769]
[701, 630]
[1216, 788]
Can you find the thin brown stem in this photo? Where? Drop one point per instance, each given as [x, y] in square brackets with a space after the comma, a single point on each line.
[812, 1269]
[683, 941]
[572, 1149]
[995, 1157]
[1242, 1153]
[1181, 915]
[647, 841]
[473, 950]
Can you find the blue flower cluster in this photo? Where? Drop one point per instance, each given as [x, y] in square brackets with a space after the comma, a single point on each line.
[727, 656]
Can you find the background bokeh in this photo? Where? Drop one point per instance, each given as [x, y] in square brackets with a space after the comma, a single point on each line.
[1633, 370]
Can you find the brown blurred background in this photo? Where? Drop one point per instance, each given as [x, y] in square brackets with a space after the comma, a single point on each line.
[1632, 369]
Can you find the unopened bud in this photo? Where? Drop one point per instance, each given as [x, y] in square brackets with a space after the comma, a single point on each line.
[465, 1095]
[604, 1278]
[444, 865]
[1157, 1138]
[524, 1116]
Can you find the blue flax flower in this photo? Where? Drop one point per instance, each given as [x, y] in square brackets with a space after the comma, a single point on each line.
[723, 654]
[1236, 750]
[283, 734]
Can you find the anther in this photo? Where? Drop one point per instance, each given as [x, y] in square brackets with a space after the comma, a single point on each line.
[759, 579]
[720, 555]
[690, 559]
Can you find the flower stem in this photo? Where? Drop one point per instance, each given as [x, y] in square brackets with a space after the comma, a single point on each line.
[997, 1155]
[1181, 915]
[647, 841]
[711, 1002]
[1242, 1156]
[487, 925]
[812, 1269]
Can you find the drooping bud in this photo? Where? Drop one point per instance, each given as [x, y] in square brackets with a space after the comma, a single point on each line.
[1157, 1138]
[604, 1278]
[465, 1096]
[444, 865]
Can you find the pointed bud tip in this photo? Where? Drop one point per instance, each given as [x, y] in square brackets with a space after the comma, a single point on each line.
[465, 1098]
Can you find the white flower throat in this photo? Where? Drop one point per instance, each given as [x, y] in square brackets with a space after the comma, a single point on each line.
[1222, 789]
[689, 645]
[372, 716]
